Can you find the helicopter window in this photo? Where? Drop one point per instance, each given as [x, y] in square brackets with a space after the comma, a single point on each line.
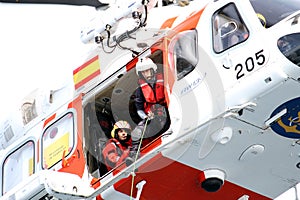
[228, 28]
[273, 11]
[185, 52]
[58, 140]
[289, 46]
[18, 166]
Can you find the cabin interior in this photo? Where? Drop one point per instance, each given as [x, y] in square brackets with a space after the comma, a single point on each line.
[111, 102]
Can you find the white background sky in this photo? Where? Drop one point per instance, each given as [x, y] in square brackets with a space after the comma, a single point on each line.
[38, 44]
[39, 47]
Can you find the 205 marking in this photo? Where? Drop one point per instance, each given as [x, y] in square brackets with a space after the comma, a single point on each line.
[250, 64]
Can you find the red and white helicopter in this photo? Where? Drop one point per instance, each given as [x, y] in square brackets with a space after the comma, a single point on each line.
[231, 76]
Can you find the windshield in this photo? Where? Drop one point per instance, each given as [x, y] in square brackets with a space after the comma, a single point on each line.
[289, 46]
[273, 11]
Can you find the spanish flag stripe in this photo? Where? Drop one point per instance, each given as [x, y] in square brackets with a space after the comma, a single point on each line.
[86, 72]
[85, 64]
[87, 79]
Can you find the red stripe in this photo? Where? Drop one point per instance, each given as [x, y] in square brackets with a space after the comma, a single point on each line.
[169, 179]
[48, 120]
[87, 79]
[131, 64]
[85, 64]
[201, 177]
[70, 105]
[189, 24]
[168, 23]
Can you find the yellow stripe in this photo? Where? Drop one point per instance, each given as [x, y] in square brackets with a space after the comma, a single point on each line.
[85, 72]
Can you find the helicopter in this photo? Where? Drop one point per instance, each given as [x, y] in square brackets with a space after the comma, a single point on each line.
[231, 81]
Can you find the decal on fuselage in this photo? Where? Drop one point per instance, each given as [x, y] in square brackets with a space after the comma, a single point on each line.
[192, 85]
[288, 125]
[251, 63]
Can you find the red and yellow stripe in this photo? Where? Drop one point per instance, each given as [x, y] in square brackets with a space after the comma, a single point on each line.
[86, 72]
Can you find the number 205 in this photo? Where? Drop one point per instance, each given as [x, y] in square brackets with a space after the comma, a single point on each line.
[250, 64]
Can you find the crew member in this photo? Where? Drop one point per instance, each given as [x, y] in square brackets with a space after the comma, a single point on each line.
[117, 148]
[150, 99]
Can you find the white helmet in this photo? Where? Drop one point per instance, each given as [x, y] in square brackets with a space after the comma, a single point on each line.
[144, 64]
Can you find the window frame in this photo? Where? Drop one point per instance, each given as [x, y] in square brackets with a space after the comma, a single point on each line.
[173, 58]
[27, 142]
[71, 148]
[237, 33]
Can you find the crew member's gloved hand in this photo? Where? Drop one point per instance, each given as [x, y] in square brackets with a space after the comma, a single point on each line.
[147, 120]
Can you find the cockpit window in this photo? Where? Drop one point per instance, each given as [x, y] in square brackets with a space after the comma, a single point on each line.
[228, 28]
[273, 11]
[289, 46]
[184, 52]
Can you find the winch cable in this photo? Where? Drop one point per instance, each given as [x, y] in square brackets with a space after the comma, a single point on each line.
[136, 157]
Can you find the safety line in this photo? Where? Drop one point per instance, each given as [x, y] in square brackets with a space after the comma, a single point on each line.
[136, 157]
